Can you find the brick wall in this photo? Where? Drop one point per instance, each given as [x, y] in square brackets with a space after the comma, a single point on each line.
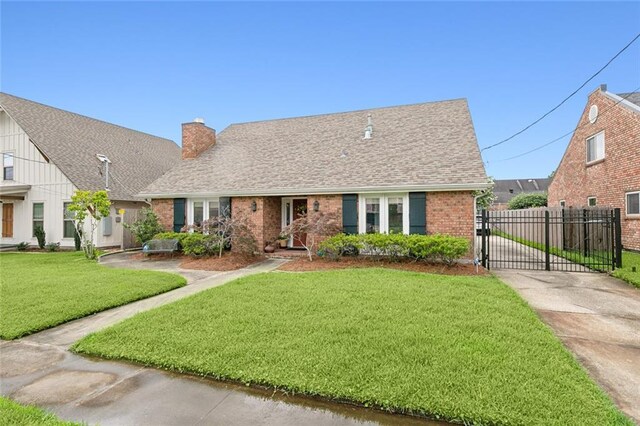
[265, 223]
[164, 209]
[609, 179]
[451, 213]
[196, 138]
[328, 204]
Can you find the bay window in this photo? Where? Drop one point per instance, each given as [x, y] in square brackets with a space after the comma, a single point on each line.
[383, 213]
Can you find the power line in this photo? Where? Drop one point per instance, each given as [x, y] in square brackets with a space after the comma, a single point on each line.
[566, 134]
[26, 159]
[565, 99]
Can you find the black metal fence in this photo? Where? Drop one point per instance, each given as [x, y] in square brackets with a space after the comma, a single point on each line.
[552, 239]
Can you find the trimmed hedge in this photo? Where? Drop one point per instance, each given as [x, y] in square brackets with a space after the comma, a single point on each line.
[428, 248]
[193, 243]
[527, 200]
[171, 236]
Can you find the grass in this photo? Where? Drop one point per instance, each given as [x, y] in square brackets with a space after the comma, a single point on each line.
[451, 347]
[12, 413]
[629, 260]
[597, 263]
[42, 290]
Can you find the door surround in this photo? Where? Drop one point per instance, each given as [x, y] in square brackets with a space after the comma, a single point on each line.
[288, 215]
[7, 220]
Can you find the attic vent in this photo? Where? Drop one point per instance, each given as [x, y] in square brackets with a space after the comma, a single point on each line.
[593, 114]
[368, 131]
[510, 190]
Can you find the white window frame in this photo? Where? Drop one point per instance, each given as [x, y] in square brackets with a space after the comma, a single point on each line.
[43, 220]
[384, 211]
[205, 208]
[64, 220]
[604, 152]
[626, 204]
[13, 166]
[595, 201]
[563, 203]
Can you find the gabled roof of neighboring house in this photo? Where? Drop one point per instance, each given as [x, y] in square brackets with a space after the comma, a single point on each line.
[506, 189]
[633, 97]
[72, 141]
[421, 146]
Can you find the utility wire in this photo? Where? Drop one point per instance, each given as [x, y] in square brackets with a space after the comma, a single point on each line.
[565, 99]
[566, 134]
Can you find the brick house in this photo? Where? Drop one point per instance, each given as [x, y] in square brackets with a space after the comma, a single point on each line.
[601, 166]
[410, 169]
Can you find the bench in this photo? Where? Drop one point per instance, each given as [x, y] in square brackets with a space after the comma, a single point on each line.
[160, 246]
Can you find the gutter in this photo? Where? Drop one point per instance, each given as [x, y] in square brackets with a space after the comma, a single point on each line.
[320, 191]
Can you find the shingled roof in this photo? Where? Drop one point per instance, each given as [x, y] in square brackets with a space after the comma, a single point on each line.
[420, 147]
[506, 189]
[71, 142]
[633, 97]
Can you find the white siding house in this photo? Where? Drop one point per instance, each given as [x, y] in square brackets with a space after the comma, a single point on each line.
[36, 182]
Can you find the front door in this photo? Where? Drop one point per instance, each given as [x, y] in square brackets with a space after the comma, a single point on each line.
[299, 207]
[7, 220]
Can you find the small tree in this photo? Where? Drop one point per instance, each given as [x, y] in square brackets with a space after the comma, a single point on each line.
[41, 236]
[95, 206]
[316, 226]
[145, 227]
[485, 197]
[528, 200]
[229, 230]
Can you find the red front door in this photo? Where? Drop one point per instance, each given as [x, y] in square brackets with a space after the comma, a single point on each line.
[299, 208]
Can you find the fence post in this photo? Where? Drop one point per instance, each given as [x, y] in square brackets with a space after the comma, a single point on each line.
[618, 226]
[547, 257]
[585, 230]
[483, 236]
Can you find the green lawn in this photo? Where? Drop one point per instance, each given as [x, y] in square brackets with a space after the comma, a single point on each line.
[453, 347]
[42, 290]
[629, 260]
[12, 413]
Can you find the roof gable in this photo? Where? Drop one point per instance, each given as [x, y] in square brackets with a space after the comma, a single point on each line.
[429, 144]
[72, 141]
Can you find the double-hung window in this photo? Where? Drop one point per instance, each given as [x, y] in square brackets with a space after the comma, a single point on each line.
[633, 203]
[595, 147]
[7, 166]
[384, 213]
[68, 228]
[202, 210]
[38, 217]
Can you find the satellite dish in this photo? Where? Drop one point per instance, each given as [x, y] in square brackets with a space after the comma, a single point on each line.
[593, 113]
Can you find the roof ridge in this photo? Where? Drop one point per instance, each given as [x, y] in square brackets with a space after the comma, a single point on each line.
[83, 116]
[346, 112]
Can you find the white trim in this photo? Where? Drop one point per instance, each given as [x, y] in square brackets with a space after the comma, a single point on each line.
[623, 101]
[604, 152]
[283, 214]
[205, 208]
[384, 211]
[595, 199]
[563, 203]
[13, 165]
[319, 191]
[626, 204]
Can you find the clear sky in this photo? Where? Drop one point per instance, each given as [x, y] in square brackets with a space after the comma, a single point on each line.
[153, 65]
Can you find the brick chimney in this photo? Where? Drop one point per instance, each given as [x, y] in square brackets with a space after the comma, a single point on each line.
[196, 138]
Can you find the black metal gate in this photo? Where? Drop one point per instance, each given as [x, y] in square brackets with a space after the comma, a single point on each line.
[552, 239]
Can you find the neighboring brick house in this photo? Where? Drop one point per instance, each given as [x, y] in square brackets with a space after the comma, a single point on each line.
[410, 169]
[601, 166]
[506, 189]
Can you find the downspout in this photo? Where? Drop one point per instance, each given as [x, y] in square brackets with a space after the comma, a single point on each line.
[476, 259]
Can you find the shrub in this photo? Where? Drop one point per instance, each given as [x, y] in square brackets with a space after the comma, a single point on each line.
[428, 248]
[180, 236]
[23, 246]
[77, 240]
[200, 244]
[146, 227]
[41, 236]
[528, 200]
[53, 246]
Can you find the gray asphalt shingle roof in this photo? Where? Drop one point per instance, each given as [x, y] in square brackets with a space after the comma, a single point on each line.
[428, 144]
[506, 189]
[71, 142]
[633, 97]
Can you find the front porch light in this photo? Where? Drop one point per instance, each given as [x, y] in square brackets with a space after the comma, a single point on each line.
[254, 206]
[316, 205]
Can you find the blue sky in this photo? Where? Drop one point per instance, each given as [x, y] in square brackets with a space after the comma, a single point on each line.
[153, 65]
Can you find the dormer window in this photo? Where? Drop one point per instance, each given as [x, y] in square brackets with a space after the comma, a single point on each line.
[595, 148]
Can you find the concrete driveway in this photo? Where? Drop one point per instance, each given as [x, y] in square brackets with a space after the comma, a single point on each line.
[597, 317]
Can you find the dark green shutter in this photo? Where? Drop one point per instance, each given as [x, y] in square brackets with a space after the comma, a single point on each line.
[178, 214]
[350, 213]
[418, 213]
[225, 206]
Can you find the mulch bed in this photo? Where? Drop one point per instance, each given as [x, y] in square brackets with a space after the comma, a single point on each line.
[320, 264]
[228, 262]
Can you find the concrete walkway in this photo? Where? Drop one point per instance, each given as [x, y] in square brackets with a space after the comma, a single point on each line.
[597, 317]
[39, 370]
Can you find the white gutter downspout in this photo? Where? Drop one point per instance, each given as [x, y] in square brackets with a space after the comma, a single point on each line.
[476, 259]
